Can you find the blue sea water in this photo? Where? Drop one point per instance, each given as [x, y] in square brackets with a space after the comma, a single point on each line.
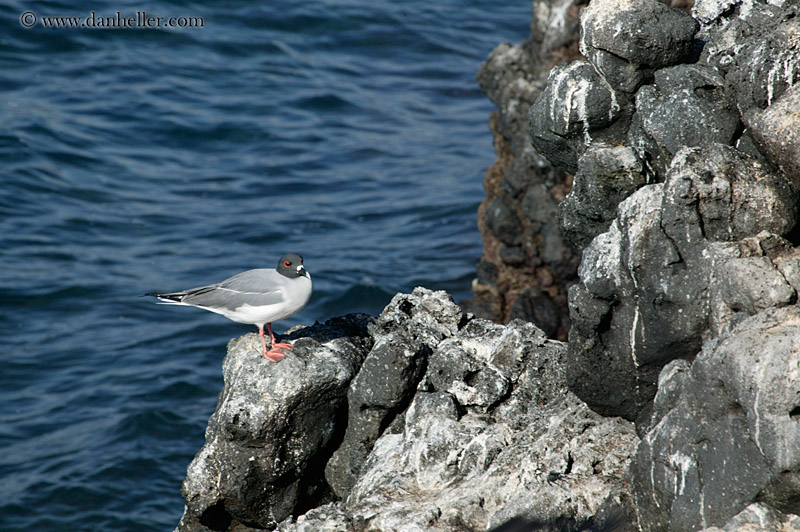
[136, 159]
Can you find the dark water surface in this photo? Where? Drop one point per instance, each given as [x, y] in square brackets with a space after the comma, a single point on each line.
[135, 159]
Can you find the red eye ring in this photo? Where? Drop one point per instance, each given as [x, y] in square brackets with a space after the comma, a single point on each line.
[287, 263]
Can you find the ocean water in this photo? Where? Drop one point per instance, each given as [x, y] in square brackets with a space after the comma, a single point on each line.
[137, 159]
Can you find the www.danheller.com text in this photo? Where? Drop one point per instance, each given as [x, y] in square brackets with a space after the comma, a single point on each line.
[140, 19]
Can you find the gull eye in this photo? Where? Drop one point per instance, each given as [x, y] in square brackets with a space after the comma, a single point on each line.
[287, 263]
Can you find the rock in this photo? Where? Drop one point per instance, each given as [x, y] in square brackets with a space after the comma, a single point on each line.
[512, 255]
[508, 79]
[776, 131]
[670, 386]
[759, 517]
[731, 435]
[684, 204]
[405, 334]
[554, 27]
[535, 306]
[606, 176]
[488, 437]
[620, 38]
[274, 424]
[789, 266]
[585, 103]
[430, 316]
[538, 205]
[502, 220]
[765, 61]
[733, 298]
[490, 434]
[686, 107]
[459, 473]
[753, 284]
[326, 518]
[479, 365]
[612, 521]
[731, 11]
[728, 195]
[652, 84]
[575, 102]
[645, 292]
[588, 102]
[610, 364]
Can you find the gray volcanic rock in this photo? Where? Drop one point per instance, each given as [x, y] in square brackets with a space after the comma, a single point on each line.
[761, 58]
[612, 363]
[719, 14]
[753, 284]
[627, 39]
[502, 220]
[645, 292]
[789, 266]
[670, 387]
[405, 334]
[490, 435]
[273, 426]
[776, 131]
[482, 365]
[726, 195]
[759, 517]
[732, 434]
[508, 79]
[329, 517]
[590, 102]
[466, 472]
[685, 108]
[535, 306]
[686, 242]
[762, 274]
[575, 103]
[606, 176]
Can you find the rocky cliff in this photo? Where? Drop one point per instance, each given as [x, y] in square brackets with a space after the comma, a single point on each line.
[421, 419]
[675, 404]
[527, 265]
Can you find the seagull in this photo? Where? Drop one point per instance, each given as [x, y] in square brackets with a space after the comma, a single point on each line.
[258, 297]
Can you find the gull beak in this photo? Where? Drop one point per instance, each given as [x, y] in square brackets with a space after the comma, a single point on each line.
[302, 271]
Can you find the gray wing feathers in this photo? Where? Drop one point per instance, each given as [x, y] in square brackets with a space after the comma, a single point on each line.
[253, 287]
[262, 280]
[220, 297]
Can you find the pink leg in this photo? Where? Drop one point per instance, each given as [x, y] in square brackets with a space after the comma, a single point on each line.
[273, 354]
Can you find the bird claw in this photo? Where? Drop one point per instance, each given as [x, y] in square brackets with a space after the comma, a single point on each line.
[274, 355]
[281, 346]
